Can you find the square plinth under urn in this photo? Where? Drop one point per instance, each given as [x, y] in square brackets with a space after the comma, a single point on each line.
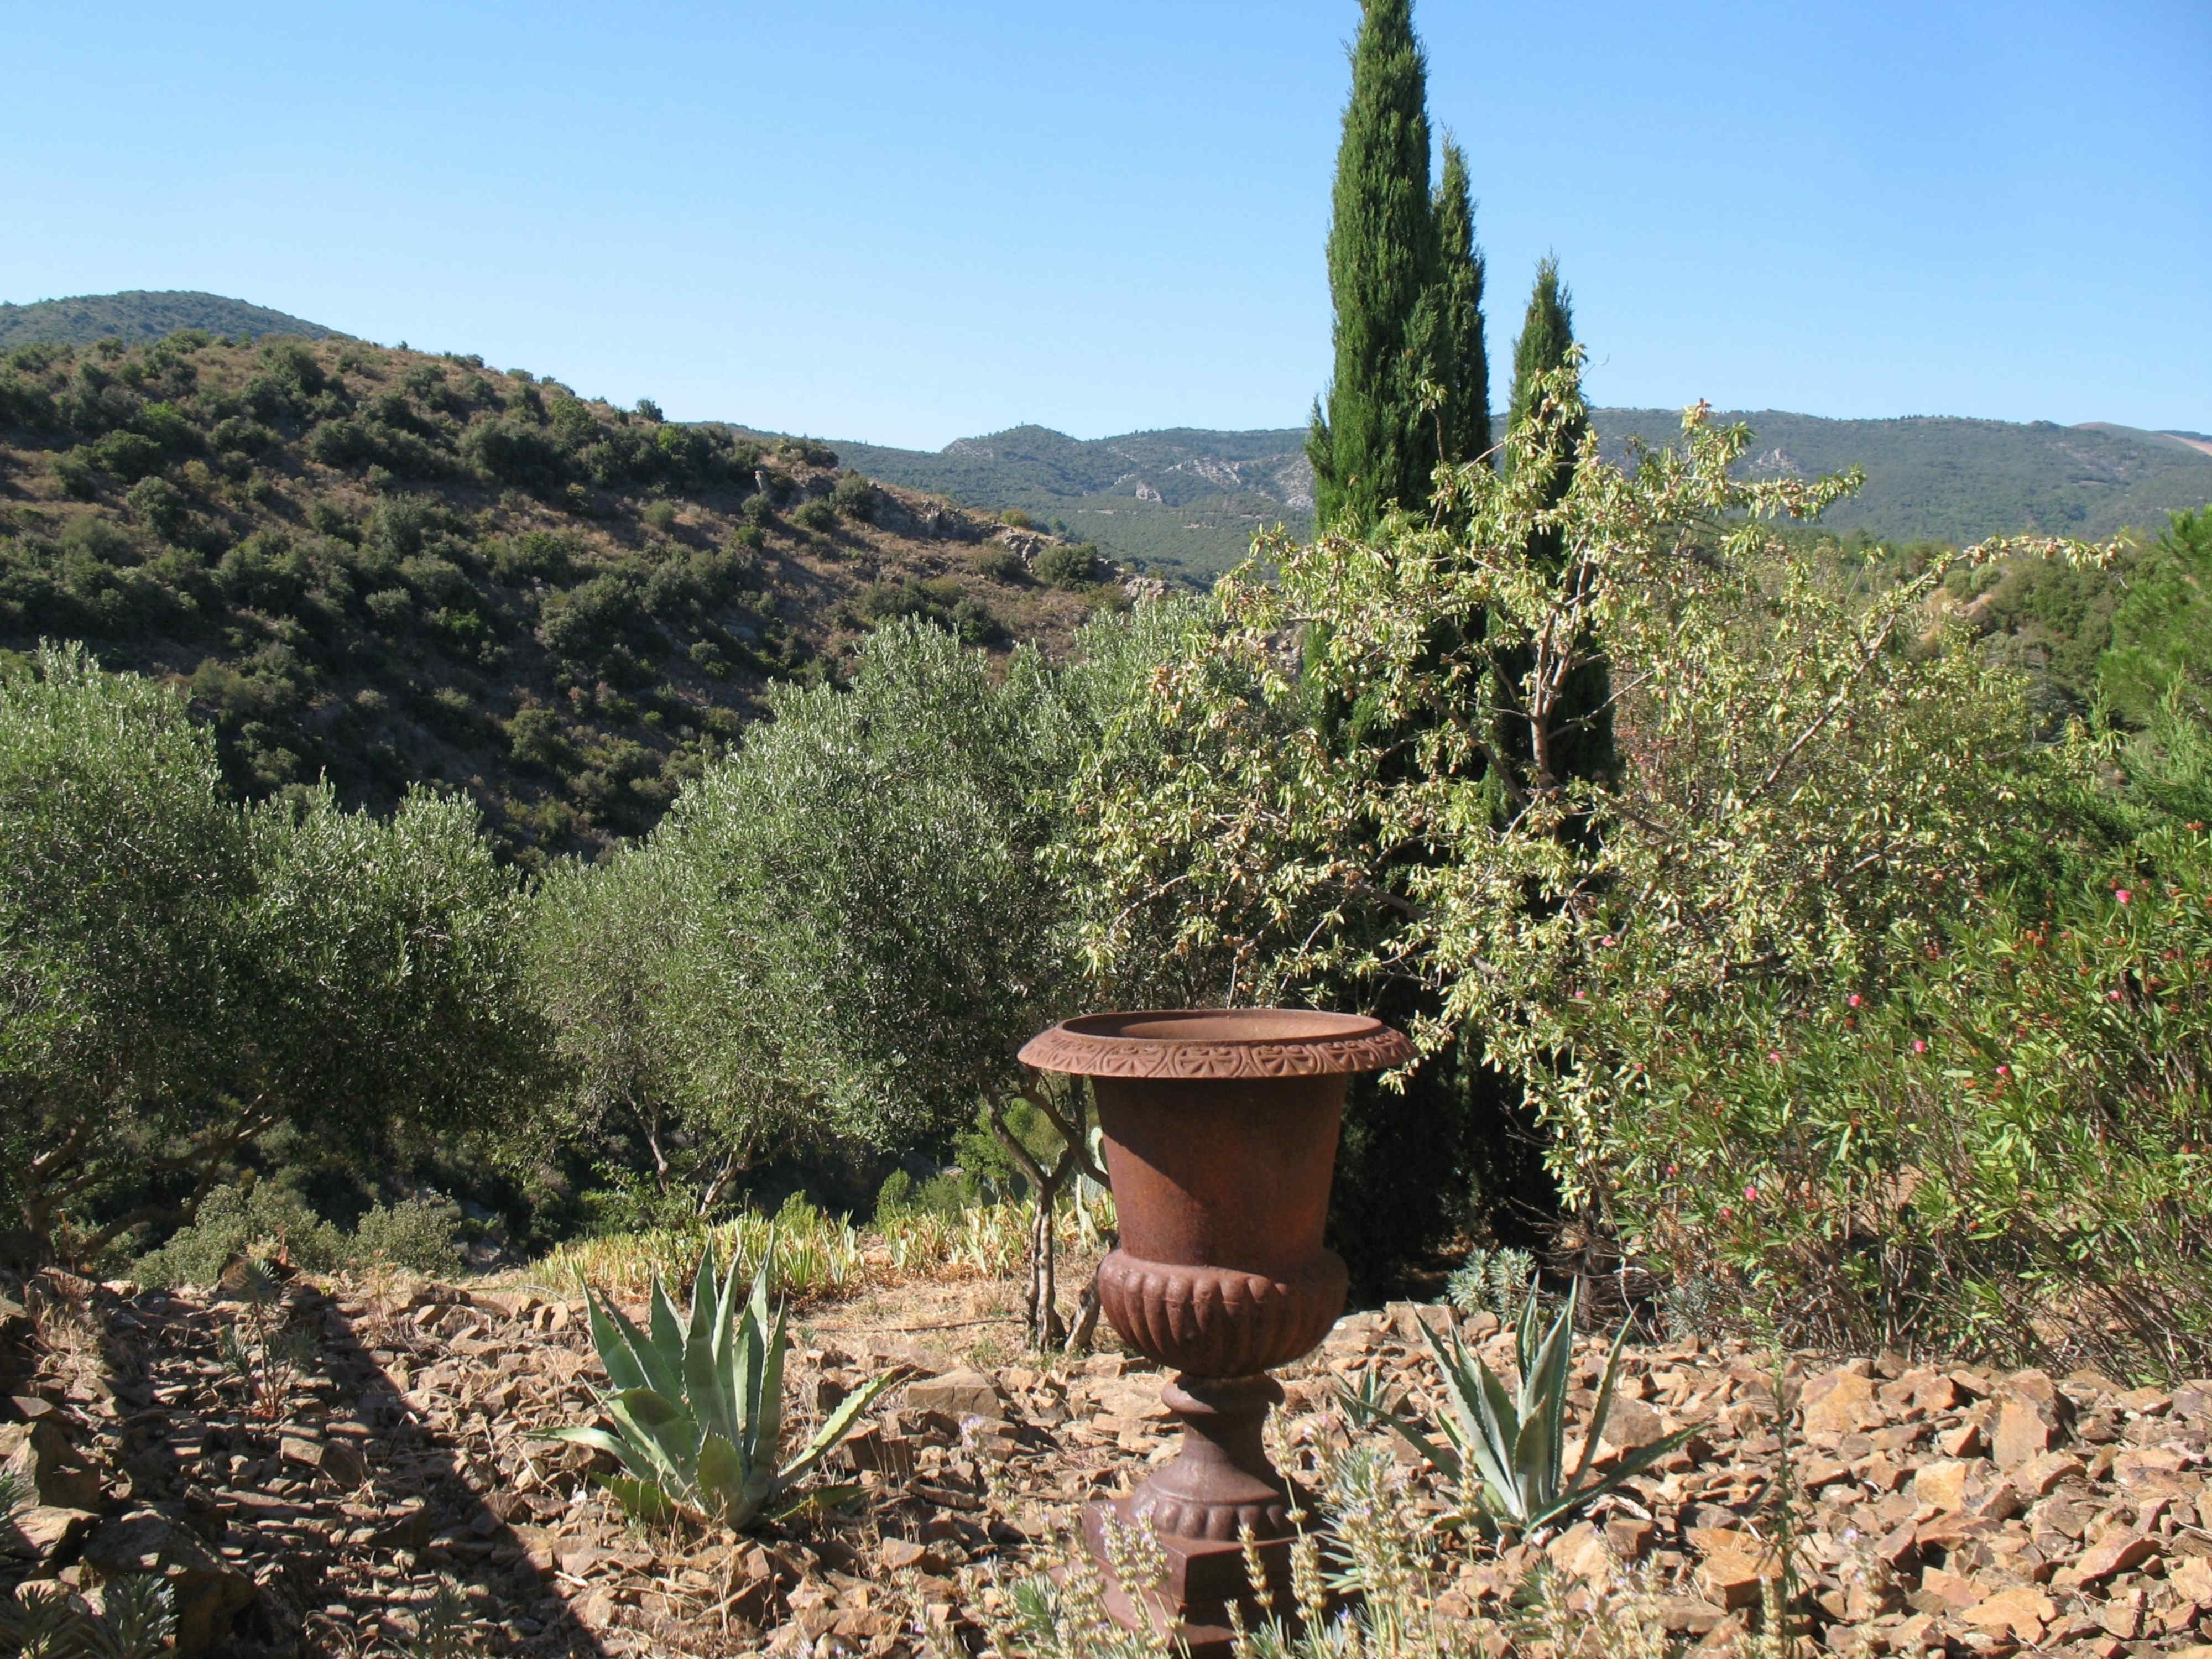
[1204, 1577]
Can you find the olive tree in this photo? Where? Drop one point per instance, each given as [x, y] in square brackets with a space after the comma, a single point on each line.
[871, 865]
[665, 1054]
[180, 975]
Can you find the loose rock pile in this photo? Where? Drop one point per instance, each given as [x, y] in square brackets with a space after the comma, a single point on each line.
[1925, 1507]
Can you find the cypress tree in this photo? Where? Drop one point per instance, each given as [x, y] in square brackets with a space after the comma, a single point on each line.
[1547, 332]
[1582, 744]
[1367, 444]
[1460, 361]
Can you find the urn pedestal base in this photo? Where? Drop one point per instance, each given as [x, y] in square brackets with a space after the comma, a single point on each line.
[1204, 1577]
[1197, 1505]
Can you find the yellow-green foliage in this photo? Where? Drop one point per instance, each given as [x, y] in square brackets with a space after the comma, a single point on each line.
[821, 1257]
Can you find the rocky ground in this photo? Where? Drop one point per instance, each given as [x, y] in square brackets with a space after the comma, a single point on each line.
[1925, 1507]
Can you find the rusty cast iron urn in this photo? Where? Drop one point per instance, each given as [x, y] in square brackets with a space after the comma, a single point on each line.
[1221, 1127]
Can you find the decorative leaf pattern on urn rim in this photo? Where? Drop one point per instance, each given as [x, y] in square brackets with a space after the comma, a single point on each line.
[1365, 1045]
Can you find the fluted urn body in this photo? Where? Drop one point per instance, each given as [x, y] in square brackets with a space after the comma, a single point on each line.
[1221, 1127]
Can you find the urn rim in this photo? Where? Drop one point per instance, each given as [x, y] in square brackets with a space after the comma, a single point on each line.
[1217, 1043]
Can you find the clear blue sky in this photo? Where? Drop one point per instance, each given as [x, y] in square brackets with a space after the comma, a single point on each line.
[910, 222]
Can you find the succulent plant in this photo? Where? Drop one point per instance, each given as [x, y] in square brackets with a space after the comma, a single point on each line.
[1491, 1281]
[1508, 1451]
[698, 1407]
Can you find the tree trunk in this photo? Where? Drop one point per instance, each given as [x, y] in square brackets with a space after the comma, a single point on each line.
[1046, 1326]
[1086, 1319]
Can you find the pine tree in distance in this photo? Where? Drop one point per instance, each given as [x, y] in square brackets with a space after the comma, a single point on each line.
[1367, 445]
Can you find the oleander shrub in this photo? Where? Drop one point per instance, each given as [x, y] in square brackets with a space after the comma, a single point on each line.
[2006, 1150]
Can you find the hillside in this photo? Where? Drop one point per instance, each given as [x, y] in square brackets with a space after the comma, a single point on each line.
[1946, 479]
[140, 316]
[1179, 502]
[381, 566]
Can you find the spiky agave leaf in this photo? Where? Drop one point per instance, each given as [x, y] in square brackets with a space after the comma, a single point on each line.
[835, 1427]
[630, 1358]
[662, 1440]
[706, 1380]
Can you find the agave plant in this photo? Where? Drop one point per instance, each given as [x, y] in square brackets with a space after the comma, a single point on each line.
[1508, 1451]
[698, 1407]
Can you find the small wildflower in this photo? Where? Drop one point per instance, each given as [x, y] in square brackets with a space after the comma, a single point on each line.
[1676, 1168]
[1854, 999]
[1774, 1056]
[1919, 1047]
[2124, 896]
[1751, 1195]
[1727, 1214]
[2004, 1071]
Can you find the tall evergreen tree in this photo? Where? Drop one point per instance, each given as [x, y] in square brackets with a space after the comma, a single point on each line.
[1367, 445]
[1460, 363]
[1582, 740]
[1547, 334]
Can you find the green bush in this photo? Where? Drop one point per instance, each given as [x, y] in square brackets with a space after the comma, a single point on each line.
[660, 514]
[1063, 566]
[946, 1195]
[535, 555]
[78, 473]
[252, 1218]
[855, 496]
[417, 1233]
[1002, 564]
[128, 455]
[1015, 518]
[394, 608]
[815, 514]
[809, 451]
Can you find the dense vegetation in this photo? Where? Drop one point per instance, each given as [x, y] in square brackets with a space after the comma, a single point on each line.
[139, 316]
[1863, 1000]
[380, 568]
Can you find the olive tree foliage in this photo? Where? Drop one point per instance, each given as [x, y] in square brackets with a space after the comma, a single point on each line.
[179, 976]
[1811, 782]
[873, 899]
[664, 1052]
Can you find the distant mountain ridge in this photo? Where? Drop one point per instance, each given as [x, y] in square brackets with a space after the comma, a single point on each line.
[1187, 502]
[1180, 501]
[141, 315]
